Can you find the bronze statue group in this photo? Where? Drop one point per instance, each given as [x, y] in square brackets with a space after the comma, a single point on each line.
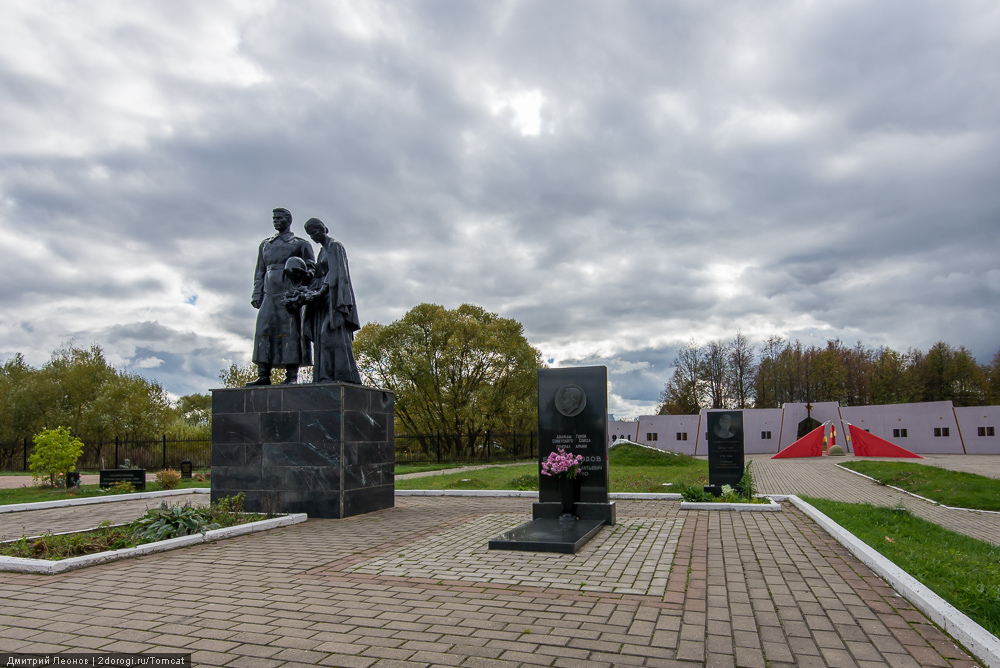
[306, 309]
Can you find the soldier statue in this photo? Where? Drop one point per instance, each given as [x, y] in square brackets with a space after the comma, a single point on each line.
[278, 340]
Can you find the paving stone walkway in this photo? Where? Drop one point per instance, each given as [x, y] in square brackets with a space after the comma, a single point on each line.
[414, 586]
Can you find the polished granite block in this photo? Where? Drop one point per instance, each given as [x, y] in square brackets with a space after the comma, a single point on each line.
[548, 535]
[325, 450]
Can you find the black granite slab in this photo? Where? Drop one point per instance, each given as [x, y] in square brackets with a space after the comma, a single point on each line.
[725, 449]
[573, 415]
[326, 450]
[548, 535]
[137, 477]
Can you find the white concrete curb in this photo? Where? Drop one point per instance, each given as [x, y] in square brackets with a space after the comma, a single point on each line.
[49, 567]
[62, 503]
[739, 507]
[983, 644]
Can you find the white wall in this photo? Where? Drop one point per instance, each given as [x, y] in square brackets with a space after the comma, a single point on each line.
[621, 429]
[919, 420]
[660, 431]
[970, 419]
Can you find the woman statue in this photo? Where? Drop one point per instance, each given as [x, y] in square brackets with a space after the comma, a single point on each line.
[331, 316]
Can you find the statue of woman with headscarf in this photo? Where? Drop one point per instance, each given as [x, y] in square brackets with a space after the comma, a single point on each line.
[331, 316]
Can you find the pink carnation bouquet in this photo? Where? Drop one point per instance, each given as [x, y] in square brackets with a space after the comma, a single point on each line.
[561, 464]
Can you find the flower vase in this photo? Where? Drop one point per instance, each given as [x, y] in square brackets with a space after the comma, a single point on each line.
[566, 491]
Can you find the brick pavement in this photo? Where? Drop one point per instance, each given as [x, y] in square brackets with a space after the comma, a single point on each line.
[414, 586]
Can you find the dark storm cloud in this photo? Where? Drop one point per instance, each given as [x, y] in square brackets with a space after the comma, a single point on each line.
[620, 178]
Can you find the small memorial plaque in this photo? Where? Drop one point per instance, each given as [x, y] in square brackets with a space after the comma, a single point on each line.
[135, 476]
[725, 449]
[186, 468]
[72, 479]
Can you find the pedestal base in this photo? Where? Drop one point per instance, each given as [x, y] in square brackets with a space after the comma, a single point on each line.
[548, 535]
[325, 450]
[605, 512]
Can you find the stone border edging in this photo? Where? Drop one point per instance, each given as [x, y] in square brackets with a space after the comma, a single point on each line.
[50, 567]
[737, 507]
[917, 496]
[983, 644]
[62, 503]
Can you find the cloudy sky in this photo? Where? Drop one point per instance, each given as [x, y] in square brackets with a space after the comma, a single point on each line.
[620, 177]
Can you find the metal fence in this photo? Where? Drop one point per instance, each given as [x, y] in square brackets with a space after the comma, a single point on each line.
[152, 454]
[165, 452]
[440, 447]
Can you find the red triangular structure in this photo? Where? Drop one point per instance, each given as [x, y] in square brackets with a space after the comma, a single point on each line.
[870, 445]
[810, 445]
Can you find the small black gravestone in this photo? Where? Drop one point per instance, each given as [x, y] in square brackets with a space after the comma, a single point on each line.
[109, 477]
[186, 468]
[72, 479]
[572, 415]
[725, 449]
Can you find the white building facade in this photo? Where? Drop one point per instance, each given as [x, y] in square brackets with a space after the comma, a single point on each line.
[935, 427]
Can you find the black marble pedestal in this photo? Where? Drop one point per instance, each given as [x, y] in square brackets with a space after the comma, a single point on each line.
[548, 535]
[327, 450]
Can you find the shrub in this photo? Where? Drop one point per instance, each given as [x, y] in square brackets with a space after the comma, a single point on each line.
[122, 487]
[747, 485]
[693, 494]
[168, 478]
[56, 452]
[166, 522]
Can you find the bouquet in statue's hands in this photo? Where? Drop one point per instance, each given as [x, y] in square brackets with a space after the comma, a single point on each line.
[298, 274]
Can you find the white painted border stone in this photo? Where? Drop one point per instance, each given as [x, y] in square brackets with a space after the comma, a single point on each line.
[50, 567]
[62, 503]
[770, 507]
[983, 644]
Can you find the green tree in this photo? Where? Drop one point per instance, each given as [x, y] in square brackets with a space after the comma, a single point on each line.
[993, 379]
[55, 452]
[459, 373]
[191, 417]
[77, 388]
[742, 371]
[947, 373]
[679, 397]
[22, 414]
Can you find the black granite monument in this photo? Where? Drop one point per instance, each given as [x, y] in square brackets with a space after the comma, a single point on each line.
[725, 449]
[327, 450]
[572, 415]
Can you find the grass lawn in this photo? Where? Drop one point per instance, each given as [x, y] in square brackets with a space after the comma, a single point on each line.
[37, 494]
[632, 468]
[961, 570]
[952, 488]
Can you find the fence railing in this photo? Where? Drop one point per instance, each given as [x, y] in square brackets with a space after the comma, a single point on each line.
[442, 447]
[151, 454]
[165, 452]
